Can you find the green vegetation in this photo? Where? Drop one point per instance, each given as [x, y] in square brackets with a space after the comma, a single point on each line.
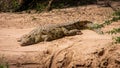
[114, 31]
[9, 5]
[117, 13]
[116, 17]
[117, 39]
[3, 63]
[15, 4]
[107, 22]
[96, 26]
[4, 66]
[40, 5]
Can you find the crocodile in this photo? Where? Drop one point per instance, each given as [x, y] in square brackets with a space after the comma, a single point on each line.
[53, 31]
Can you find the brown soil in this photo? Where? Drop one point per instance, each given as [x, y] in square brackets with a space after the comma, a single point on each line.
[89, 50]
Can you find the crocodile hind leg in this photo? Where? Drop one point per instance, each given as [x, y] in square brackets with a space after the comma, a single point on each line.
[45, 38]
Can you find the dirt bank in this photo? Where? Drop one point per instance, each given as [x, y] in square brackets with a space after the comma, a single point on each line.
[89, 50]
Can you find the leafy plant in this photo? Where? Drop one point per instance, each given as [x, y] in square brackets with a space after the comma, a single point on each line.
[114, 19]
[117, 39]
[108, 22]
[15, 4]
[117, 13]
[96, 26]
[114, 31]
[40, 7]
[3, 63]
[4, 66]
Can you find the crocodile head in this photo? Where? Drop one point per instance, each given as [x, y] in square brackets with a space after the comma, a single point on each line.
[25, 40]
[85, 24]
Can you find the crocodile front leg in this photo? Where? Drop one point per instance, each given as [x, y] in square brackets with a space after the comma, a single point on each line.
[71, 32]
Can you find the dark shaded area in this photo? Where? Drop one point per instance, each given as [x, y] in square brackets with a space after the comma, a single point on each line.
[45, 5]
[25, 5]
[40, 5]
[9, 5]
[71, 3]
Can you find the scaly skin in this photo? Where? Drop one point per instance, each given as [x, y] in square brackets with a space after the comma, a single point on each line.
[52, 32]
